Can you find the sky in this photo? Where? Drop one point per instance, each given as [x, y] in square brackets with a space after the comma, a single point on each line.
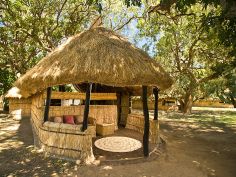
[120, 13]
[131, 32]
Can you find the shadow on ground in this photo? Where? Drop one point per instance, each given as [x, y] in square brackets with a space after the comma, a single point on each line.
[195, 148]
[18, 156]
[209, 144]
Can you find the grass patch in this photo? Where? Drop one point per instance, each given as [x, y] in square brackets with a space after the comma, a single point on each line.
[204, 116]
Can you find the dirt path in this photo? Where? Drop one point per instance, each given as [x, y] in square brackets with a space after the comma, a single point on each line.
[192, 150]
[212, 148]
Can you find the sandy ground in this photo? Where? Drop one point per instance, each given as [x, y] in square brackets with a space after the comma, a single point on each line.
[191, 150]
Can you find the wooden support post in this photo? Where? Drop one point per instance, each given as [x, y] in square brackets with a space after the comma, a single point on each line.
[118, 94]
[130, 103]
[146, 123]
[155, 92]
[62, 88]
[86, 107]
[48, 102]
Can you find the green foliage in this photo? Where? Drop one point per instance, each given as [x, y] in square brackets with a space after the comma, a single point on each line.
[6, 78]
[186, 49]
[223, 88]
[30, 29]
[133, 3]
[221, 19]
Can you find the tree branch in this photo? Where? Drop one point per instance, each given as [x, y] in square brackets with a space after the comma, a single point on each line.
[176, 52]
[208, 78]
[162, 7]
[36, 38]
[191, 51]
[126, 23]
[58, 16]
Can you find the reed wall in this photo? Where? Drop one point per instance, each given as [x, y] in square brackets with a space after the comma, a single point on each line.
[138, 104]
[20, 107]
[102, 113]
[136, 122]
[212, 103]
[62, 140]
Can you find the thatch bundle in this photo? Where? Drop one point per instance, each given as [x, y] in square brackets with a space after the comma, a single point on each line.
[97, 55]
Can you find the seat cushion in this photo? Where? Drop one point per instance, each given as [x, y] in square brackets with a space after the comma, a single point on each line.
[68, 119]
[78, 119]
[58, 119]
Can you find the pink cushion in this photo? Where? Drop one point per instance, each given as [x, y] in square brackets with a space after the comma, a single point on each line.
[68, 119]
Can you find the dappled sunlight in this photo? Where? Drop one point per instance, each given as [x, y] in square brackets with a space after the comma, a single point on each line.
[211, 172]
[213, 109]
[10, 144]
[211, 129]
[202, 121]
[195, 127]
[14, 92]
[191, 143]
[19, 156]
[107, 167]
[8, 137]
[214, 151]
[11, 128]
[207, 137]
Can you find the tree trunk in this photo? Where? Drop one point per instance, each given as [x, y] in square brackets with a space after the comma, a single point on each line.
[181, 106]
[232, 100]
[187, 103]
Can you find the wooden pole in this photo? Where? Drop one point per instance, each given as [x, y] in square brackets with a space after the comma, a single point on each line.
[130, 103]
[146, 123]
[86, 107]
[155, 92]
[118, 107]
[62, 88]
[48, 102]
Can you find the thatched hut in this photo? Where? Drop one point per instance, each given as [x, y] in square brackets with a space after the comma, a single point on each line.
[18, 106]
[104, 59]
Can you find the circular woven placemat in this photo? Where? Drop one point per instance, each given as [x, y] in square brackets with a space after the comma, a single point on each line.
[118, 144]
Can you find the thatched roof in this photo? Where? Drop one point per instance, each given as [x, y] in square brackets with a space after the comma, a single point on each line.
[14, 92]
[97, 55]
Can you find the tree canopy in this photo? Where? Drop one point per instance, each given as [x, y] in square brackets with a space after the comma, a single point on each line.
[194, 39]
[186, 50]
[29, 29]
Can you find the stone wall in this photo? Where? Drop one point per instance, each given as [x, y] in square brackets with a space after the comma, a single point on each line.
[136, 122]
